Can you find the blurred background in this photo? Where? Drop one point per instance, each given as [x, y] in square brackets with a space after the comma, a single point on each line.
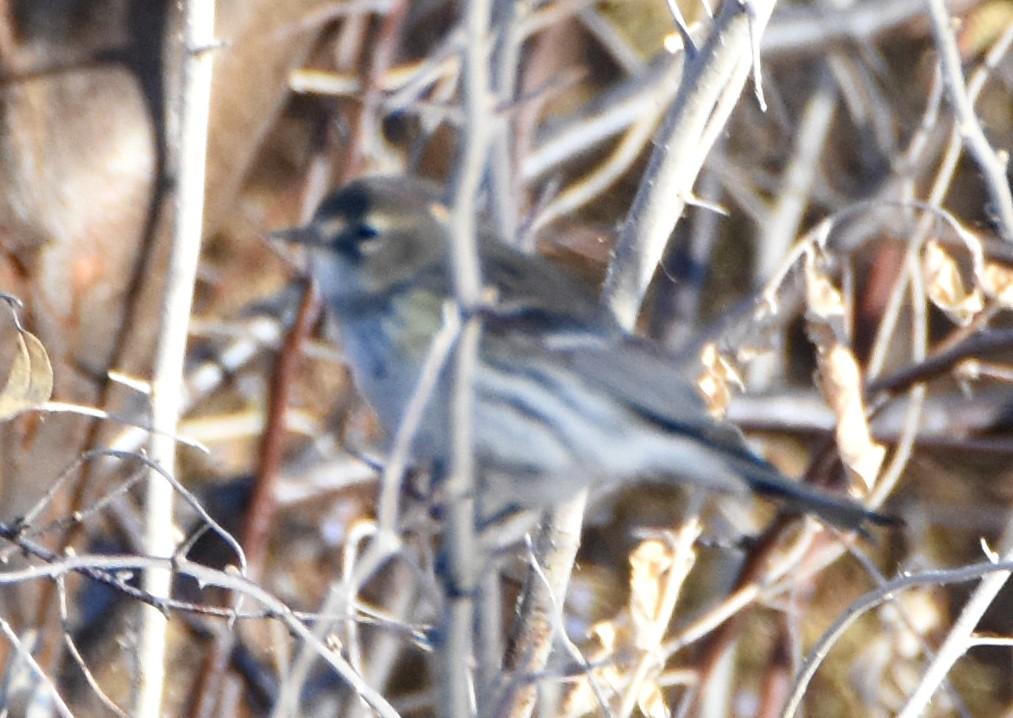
[857, 139]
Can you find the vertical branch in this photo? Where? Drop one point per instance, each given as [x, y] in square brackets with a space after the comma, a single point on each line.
[540, 605]
[475, 139]
[503, 175]
[459, 549]
[198, 37]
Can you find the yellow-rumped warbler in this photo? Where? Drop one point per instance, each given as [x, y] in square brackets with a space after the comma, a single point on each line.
[563, 399]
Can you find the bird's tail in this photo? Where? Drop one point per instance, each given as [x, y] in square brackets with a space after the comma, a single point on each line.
[840, 511]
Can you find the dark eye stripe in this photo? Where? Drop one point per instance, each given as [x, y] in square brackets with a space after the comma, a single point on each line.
[355, 242]
[366, 231]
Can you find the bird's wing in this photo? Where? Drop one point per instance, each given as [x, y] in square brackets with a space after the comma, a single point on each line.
[542, 309]
[651, 384]
[539, 296]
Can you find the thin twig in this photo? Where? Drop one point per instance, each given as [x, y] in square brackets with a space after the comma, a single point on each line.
[115, 567]
[25, 654]
[75, 653]
[813, 28]
[384, 541]
[993, 169]
[871, 600]
[959, 639]
[260, 514]
[608, 115]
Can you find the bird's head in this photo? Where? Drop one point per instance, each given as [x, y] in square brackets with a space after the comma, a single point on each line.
[369, 238]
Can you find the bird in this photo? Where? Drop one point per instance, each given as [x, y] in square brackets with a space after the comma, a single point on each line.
[562, 397]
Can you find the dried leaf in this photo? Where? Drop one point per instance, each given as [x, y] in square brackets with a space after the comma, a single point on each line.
[945, 286]
[840, 375]
[825, 307]
[984, 25]
[718, 373]
[998, 283]
[582, 699]
[30, 382]
[841, 382]
[607, 634]
[822, 297]
[651, 701]
[648, 564]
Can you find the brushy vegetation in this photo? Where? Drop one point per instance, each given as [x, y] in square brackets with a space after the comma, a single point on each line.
[840, 280]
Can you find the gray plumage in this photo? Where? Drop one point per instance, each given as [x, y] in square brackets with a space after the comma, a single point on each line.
[563, 398]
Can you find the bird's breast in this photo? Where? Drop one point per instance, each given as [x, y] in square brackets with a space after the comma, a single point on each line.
[386, 343]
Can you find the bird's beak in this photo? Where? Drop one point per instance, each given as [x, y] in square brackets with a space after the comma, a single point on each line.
[306, 235]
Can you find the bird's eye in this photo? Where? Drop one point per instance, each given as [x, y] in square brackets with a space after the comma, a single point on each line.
[365, 239]
[358, 241]
[366, 231]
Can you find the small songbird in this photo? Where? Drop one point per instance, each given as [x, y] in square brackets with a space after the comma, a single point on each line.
[562, 398]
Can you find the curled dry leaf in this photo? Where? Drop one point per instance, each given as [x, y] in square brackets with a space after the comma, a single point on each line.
[997, 280]
[659, 567]
[658, 570]
[581, 699]
[841, 383]
[651, 701]
[651, 603]
[945, 286]
[30, 381]
[648, 564]
[840, 376]
[825, 308]
[984, 25]
[713, 382]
